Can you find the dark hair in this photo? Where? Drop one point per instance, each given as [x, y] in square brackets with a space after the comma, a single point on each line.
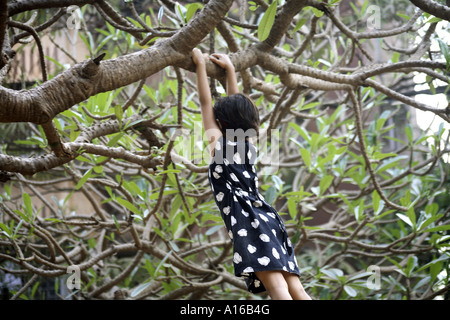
[237, 111]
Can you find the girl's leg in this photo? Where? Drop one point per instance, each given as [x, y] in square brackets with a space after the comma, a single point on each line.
[275, 283]
[296, 289]
[282, 285]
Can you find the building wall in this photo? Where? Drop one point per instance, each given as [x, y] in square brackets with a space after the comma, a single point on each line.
[65, 46]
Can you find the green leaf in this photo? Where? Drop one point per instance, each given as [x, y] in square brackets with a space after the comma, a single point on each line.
[115, 139]
[428, 221]
[445, 51]
[22, 215]
[267, 22]
[148, 21]
[405, 219]
[325, 183]
[309, 106]
[116, 222]
[292, 207]
[296, 236]
[432, 208]
[128, 205]
[333, 273]
[317, 12]
[375, 201]
[350, 291]
[33, 290]
[213, 230]
[192, 9]
[439, 228]
[271, 194]
[389, 164]
[160, 14]
[27, 202]
[102, 43]
[140, 288]
[395, 57]
[435, 269]
[300, 131]
[180, 10]
[98, 169]
[162, 262]
[433, 20]
[359, 210]
[54, 61]
[412, 216]
[382, 119]
[410, 265]
[118, 111]
[354, 9]
[299, 24]
[404, 16]
[5, 229]
[306, 157]
[409, 134]
[132, 124]
[83, 179]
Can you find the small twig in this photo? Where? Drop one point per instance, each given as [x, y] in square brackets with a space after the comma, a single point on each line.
[33, 32]
[362, 145]
[54, 139]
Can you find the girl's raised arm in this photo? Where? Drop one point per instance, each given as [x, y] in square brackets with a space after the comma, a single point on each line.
[212, 130]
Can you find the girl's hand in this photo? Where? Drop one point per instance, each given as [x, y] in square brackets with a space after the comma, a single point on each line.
[198, 57]
[222, 60]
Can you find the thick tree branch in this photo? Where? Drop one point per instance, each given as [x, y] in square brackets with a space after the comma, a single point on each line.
[17, 7]
[434, 8]
[71, 150]
[41, 104]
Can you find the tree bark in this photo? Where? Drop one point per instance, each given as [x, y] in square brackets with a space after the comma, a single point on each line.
[434, 8]
[40, 105]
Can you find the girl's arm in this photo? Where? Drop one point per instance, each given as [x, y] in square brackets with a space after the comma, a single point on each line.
[212, 130]
[224, 61]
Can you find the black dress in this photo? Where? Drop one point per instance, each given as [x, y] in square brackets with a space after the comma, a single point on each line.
[260, 240]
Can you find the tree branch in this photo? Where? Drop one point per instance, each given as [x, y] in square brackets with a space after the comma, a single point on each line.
[17, 7]
[41, 104]
[434, 8]
[3, 22]
[33, 32]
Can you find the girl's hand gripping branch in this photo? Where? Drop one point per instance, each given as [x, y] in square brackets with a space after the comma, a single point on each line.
[223, 61]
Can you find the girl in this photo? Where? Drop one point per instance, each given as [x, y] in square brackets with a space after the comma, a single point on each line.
[262, 252]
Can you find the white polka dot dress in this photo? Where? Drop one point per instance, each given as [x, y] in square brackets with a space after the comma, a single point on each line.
[260, 240]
